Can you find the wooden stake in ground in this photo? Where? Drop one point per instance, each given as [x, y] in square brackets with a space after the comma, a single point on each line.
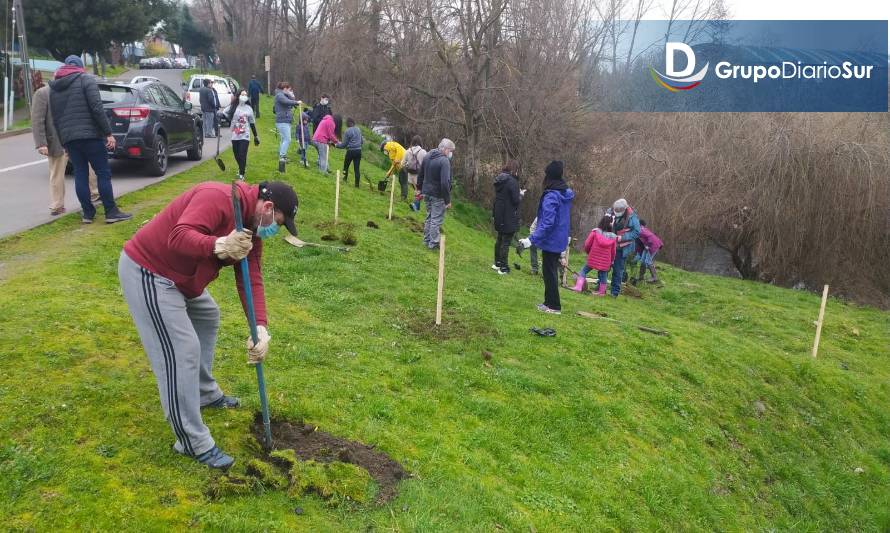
[819, 322]
[392, 195]
[441, 280]
[337, 199]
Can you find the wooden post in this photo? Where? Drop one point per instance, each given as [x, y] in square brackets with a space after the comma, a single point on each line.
[392, 196]
[337, 199]
[441, 280]
[819, 322]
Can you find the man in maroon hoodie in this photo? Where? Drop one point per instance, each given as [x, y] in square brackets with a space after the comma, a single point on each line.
[164, 272]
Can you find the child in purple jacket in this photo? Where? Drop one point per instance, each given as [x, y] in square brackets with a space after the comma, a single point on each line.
[650, 244]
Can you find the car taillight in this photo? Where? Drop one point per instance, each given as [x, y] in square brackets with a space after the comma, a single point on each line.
[134, 151]
[135, 114]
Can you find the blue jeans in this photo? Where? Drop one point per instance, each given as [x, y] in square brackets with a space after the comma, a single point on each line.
[617, 272]
[209, 121]
[284, 137]
[86, 153]
[322, 155]
[601, 275]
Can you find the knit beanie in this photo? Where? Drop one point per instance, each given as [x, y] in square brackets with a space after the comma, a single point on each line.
[553, 171]
[74, 60]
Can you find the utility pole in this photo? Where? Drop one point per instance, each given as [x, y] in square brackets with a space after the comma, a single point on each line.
[26, 62]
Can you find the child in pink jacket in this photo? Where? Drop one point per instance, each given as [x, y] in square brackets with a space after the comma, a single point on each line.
[600, 247]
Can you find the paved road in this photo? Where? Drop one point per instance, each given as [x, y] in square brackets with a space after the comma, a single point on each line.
[24, 176]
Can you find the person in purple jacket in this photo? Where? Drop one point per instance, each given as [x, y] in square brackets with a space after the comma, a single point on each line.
[551, 235]
[646, 253]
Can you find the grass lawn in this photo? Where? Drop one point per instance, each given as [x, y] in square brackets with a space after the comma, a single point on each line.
[726, 424]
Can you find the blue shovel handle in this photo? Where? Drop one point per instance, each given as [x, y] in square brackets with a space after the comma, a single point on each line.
[251, 319]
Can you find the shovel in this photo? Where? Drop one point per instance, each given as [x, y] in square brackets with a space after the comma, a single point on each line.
[251, 319]
[219, 162]
[294, 241]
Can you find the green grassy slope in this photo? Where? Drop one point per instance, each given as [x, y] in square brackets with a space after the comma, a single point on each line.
[601, 427]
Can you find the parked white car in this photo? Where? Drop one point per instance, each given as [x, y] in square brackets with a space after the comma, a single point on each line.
[143, 79]
[225, 88]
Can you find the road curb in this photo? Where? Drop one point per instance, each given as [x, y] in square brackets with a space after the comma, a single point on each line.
[13, 133]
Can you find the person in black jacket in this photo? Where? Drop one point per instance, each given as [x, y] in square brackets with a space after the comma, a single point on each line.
[507, 196]
[207, 98]
[319, 111]
[83, 128]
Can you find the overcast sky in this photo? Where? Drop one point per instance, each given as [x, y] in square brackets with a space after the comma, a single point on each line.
[809, 10]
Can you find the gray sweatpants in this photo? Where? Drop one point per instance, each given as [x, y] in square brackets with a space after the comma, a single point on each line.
[179, 336]
[435, 216]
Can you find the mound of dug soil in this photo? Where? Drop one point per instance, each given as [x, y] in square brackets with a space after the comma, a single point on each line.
[311, 444]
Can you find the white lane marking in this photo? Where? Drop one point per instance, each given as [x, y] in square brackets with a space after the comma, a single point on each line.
[23, 165]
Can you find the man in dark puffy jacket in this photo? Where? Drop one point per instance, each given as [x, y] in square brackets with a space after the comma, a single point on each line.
[322, 108]
[434, 181]
[83, 127]
[208, 101]
[507, 195]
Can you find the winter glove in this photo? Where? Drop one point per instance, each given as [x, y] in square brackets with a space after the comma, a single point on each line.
[236, 245]
[526, 243]
[256, 353]
[256, 141]
[522, 192]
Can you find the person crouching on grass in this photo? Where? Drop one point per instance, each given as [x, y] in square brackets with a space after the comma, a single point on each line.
[551, 235]
[600, 247]
[164, 272]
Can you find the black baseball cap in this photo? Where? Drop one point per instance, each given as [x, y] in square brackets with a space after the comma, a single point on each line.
[285, 199]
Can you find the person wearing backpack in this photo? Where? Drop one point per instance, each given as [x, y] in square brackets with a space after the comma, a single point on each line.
[411, 162]
[627, 226]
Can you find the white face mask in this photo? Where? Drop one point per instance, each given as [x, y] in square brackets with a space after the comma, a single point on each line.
[450, 155]
[242, 99]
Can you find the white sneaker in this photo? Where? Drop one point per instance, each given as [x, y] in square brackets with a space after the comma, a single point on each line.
[240, 177]
[495, 267]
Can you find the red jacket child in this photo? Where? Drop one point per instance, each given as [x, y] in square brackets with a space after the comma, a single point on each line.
[600, 247]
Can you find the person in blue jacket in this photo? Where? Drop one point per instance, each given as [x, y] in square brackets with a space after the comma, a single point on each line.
[551, 235]
[253, 91]
[627, 227]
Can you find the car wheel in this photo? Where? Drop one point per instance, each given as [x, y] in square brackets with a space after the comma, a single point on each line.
[196, 152]
[158, 164]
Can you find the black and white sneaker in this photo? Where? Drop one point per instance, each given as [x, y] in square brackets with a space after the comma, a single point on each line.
[117, 216]
[86, 220]
[224, 402]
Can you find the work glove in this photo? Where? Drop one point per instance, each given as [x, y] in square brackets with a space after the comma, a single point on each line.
[525, 243]
[522, 192]
[236, 245]
[256, 141]
[256, 353]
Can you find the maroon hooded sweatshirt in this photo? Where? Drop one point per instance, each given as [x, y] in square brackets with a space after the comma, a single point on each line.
[178, 243]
